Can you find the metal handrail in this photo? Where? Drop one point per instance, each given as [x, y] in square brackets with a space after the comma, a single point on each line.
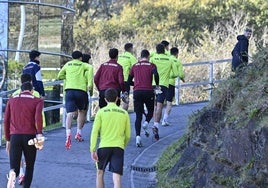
[60, 104]
[40, 4]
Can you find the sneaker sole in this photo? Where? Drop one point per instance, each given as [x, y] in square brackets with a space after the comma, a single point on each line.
[11, 183]
[79, 140]
[139, 145]
[147, 134]
[156, 135]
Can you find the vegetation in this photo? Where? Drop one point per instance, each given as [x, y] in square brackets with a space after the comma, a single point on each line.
[184, 23]
[203, 30]
[227, 135]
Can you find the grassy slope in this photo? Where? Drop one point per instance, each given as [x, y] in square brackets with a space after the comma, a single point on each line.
[242, 97]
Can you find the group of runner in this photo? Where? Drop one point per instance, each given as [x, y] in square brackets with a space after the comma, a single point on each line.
[153, 79]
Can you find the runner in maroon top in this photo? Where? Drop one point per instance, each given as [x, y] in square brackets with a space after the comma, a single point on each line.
[109, 75]
[23, 121]
[143, 72]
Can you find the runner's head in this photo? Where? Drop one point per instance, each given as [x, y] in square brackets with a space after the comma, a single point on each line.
[86, 58]
[111, 95]
[26, 86]
[165, 43]
[145, 54]
[77, 55]
[160, 48]
[128, 47]
[34, 54]
[174, 51]
[25, 78]
[113, 53]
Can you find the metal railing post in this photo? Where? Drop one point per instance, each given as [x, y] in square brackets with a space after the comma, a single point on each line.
[1, 119]
[89, 107]
[211, 79]
[64, 115]
[177, 91]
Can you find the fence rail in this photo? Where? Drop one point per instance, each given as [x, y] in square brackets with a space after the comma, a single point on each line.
[60, 104]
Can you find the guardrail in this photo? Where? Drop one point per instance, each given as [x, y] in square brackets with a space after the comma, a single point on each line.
[60, 104]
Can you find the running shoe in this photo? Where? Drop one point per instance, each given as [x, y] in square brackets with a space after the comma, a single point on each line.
[21, 179]
[145, 126]
[68, 142]
[11, 179]
[155, 132]
[78, 137]
[165, 123]
[138, 141]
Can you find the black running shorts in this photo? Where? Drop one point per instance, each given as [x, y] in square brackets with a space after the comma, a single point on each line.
[163, 96]
[170, 93]
[112, 155]
[76, 99]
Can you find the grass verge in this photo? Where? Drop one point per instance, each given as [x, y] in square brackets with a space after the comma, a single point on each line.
[168, 159]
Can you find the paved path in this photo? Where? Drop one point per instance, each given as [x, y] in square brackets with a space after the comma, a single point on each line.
[58, 168]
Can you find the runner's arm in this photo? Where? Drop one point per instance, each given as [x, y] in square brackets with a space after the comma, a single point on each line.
[95, 132]
[156, 76]
[128, 130]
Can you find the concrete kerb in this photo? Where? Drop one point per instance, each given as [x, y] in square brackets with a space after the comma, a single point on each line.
[143, 172]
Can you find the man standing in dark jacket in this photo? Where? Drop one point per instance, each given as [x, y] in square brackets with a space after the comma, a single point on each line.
[33, 68]
[240, 51]
[109, 75]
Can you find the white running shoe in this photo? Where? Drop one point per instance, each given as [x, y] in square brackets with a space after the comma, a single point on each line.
[165, 123]
[138, 141]
[11, 179]
[145, 127]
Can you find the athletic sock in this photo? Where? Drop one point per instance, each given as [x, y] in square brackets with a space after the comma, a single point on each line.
[68, 132]
[78, 131]
[165, 117]
[21, 170]
[156, 124]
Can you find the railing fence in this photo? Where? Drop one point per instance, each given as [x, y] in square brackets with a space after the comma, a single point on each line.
[60, 104]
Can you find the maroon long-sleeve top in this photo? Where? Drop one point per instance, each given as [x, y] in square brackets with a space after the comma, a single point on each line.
[23, 115]
[110, 75]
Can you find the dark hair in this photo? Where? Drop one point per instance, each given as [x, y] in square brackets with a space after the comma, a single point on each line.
[26, 86]
[248, 30]
[174, 51]
[128, 46]
[160, 48]
[145, 53]
[33, 54]
[86, 58]
[165, 43]
[77, 54]
[25, 78]
[113, 53]
[111, 94]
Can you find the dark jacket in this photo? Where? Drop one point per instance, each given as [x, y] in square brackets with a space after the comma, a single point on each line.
[240, 52]
[33, 68]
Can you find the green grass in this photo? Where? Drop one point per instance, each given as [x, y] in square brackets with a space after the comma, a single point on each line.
[168, 159]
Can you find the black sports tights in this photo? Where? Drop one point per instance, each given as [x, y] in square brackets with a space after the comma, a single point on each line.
[19, 145]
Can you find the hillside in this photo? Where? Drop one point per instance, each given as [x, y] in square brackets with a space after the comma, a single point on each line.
[226, 142]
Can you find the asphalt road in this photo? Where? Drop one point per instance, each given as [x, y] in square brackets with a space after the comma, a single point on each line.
[57, 167]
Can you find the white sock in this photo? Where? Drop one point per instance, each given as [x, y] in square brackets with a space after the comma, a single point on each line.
[21, 170]
[165, 117]
[156, 124]
[68, 132]
[78, 131]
